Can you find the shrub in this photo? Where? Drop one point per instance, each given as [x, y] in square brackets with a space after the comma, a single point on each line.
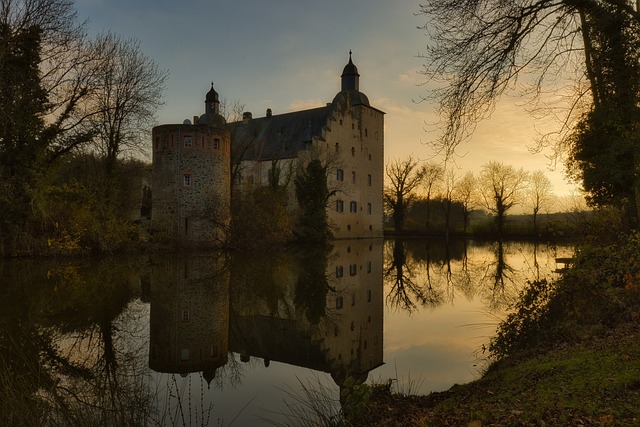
[601, 290]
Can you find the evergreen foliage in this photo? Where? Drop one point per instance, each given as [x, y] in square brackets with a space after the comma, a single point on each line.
[22, 142]
[312, 194]
[601, 290]
[50, 70]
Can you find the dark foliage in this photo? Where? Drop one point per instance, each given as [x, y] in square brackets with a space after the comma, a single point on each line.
[601, 290]
[313, 194]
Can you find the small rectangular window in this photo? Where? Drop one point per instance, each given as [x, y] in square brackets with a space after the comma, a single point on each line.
[339, 303]
[339, 206]
[353, 207]
[353, 177]
[187, 142]
[216, 143]
[186, 180]
[353, 269]
[339, 175]
[185, 315]
[369, 208]
[339, 271]
[369, 180]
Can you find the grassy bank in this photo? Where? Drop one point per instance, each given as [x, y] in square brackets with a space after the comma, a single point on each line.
[594, 382]
[568, 354]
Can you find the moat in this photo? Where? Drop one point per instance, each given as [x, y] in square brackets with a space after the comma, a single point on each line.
[232, 339]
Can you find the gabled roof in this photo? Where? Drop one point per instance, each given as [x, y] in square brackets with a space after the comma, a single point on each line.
[277, 136]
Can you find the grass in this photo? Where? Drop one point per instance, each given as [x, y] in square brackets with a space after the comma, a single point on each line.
[595, 382]
[568, 355]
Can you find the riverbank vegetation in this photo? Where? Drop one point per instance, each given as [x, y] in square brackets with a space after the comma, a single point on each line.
[567, 354]
[74, 115]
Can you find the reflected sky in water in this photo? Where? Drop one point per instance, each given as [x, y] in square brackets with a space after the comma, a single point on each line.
[205, 339]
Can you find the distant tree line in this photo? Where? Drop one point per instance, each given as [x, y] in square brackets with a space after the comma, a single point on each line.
[74, 113]
[431, 198]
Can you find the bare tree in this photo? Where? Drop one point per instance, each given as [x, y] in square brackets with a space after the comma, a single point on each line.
[449, 184]
[539, 195]
[484, 49]
[231, 110]
[433, 174]
[404, 178]
[129, 91]
[465, 193]
[501, 188]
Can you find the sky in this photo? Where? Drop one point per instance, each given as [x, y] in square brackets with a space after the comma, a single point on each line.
[288, 55]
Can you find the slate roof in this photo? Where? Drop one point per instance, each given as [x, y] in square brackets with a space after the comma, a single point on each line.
[279, 136]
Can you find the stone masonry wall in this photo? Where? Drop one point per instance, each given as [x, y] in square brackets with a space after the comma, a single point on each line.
[190, 183]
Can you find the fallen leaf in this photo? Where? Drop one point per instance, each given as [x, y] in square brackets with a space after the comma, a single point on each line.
[606, 419]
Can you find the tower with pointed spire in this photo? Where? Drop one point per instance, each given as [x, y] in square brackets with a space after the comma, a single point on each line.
[212, 102]
[350, 76]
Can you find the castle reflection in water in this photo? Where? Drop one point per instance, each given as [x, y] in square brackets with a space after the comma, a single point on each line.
[316, 309]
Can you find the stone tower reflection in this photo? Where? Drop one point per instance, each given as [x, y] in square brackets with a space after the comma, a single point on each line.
[189, 315]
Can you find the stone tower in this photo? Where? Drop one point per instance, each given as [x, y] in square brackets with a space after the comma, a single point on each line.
[190, 179]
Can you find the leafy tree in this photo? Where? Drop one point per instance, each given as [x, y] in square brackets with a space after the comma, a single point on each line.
[312, 193]
[501, 188]
[481, 48]
[22, 146]
[66, 69]
[48, 71]
[404, 178]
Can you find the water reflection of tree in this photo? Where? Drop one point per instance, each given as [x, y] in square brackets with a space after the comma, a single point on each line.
[499, 278]
[312, 285]
[405, 293]
[107, 334]
[48, 316]
[427, 273]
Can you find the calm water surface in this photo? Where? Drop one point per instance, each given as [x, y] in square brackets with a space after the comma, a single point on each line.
[232, 339]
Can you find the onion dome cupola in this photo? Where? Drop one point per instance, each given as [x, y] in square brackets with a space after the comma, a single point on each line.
[350, 89]
[350, 76]
[212, 102]
[211, 114]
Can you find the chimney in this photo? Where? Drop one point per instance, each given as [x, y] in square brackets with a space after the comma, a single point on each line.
[269, 113]
[195, 120]
[246, 117]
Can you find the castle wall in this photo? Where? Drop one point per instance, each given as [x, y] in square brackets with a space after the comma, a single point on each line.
[356, 136]
[190, 183]
[352, 147]
[355, 271]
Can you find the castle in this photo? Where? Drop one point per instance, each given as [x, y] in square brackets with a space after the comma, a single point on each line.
[193, 163]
